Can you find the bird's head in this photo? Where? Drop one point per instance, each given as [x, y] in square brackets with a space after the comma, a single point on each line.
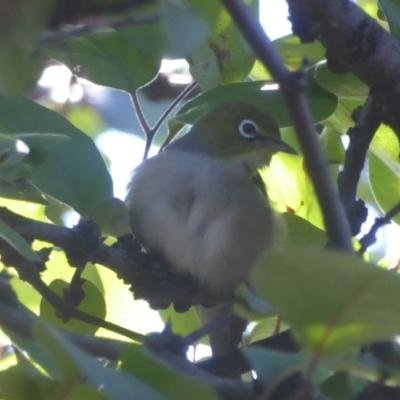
[236, 131]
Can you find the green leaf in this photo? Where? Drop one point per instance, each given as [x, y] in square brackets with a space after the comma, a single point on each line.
[322, 103]
[21, 22]
[15, 240]
[37, 353]
[303, 233]
[93, 304]
[226, 57]
[18, 383]
[291, 191]
[343, 86]
[41, 145]
[15, 172]
[351, 93]
[293, 53]
[181, 323]
[74, 362]
[28, 296]
[332, 301]
[12, 151]
[391, 8]
[342, 386]
[340, 121]
[332, 145]
[385, 184]
[384, 169]
[271, 364]
[178, 30]
[263, 329]
[112, 216]
[174, 384]
[74, 174]
[28, 210]
[106, 58]
[185, 29]
[71, 175]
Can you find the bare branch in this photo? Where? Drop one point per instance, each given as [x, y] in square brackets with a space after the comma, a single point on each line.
[150, 278]
[151, 132]
[292, 86]
[367, 122]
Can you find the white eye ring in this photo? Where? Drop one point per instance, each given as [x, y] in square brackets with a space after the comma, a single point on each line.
[248, 129]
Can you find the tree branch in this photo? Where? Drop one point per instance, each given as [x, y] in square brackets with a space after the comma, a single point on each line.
[151, 132]
[292, 86]
[150, 278]
[367, 122]
[355, 43]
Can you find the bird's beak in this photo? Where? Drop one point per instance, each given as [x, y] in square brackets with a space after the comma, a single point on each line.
[279, 146]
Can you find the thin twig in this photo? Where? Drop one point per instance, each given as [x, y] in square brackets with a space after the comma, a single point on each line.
[81, 30]
[139, 112]
[151, 132]
[292, 86]
[168, 111]
[16, 317]
[370, 238]
[71, 312]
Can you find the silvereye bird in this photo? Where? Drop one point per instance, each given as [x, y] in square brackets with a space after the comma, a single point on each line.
[197, 204]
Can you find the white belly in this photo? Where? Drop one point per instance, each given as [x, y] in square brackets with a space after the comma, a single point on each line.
[206, 217]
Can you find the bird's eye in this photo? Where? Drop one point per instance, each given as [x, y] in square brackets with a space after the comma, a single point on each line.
[248, 129]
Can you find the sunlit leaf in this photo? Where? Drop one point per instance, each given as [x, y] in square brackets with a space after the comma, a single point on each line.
[290, 189]
[384, 169]
[293, 53]
[181, 323]
[303, 233]
[112, 216]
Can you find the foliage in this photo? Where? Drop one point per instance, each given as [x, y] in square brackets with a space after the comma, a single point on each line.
[334, 303]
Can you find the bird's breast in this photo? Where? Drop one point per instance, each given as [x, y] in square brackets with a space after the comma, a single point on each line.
[206, 217]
